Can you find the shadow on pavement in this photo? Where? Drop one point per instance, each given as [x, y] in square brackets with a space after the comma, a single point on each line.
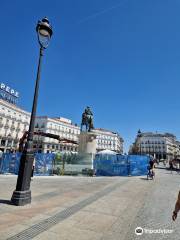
[3, 201]
[144, 178]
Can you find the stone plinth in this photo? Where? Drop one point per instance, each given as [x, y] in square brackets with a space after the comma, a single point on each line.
[87, 142]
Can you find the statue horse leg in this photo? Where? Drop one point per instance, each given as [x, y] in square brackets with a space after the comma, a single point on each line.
[89, 127]
[90, 124]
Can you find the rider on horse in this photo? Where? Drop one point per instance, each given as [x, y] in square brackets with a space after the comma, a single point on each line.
[87, 119]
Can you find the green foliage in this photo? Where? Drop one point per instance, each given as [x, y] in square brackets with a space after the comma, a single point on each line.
[58, 159]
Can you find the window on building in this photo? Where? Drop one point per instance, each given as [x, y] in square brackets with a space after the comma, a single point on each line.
[3, 142]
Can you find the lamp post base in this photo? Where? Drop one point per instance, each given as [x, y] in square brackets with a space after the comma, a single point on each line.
[21, 198]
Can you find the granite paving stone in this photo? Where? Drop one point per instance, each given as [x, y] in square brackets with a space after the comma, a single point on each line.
[84, 208]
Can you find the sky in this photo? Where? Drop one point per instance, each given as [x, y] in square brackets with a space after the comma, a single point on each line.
[120, 57]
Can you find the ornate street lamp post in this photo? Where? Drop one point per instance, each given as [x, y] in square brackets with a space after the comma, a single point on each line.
[22, 194]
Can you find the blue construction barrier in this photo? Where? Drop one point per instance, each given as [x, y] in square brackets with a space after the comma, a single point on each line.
[44, 163]
[9, 163]
[104, 164]
[120, 165]
[138, 164]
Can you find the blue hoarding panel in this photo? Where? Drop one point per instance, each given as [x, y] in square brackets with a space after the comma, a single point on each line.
[104, 164]
[120, 165]
[44, 163]
[9, 163]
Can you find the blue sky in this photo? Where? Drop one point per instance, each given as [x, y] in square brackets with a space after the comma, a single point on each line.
[121, 57]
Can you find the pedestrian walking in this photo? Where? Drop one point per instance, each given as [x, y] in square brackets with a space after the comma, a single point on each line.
[171, 167]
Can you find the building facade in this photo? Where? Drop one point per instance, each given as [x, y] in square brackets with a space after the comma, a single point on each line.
[160, 146]
[107, 139]
[62, 127]
[14, 121]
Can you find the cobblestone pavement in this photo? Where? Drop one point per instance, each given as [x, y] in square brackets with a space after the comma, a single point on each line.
[85, 208]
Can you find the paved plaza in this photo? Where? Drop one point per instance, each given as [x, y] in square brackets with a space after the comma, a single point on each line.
[91, 208]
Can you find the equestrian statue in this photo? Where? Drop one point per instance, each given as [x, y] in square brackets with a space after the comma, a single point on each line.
[87, 120]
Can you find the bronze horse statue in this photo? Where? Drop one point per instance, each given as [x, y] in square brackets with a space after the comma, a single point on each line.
[87, 120]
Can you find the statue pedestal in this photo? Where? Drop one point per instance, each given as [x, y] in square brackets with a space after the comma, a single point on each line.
[87, 142]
